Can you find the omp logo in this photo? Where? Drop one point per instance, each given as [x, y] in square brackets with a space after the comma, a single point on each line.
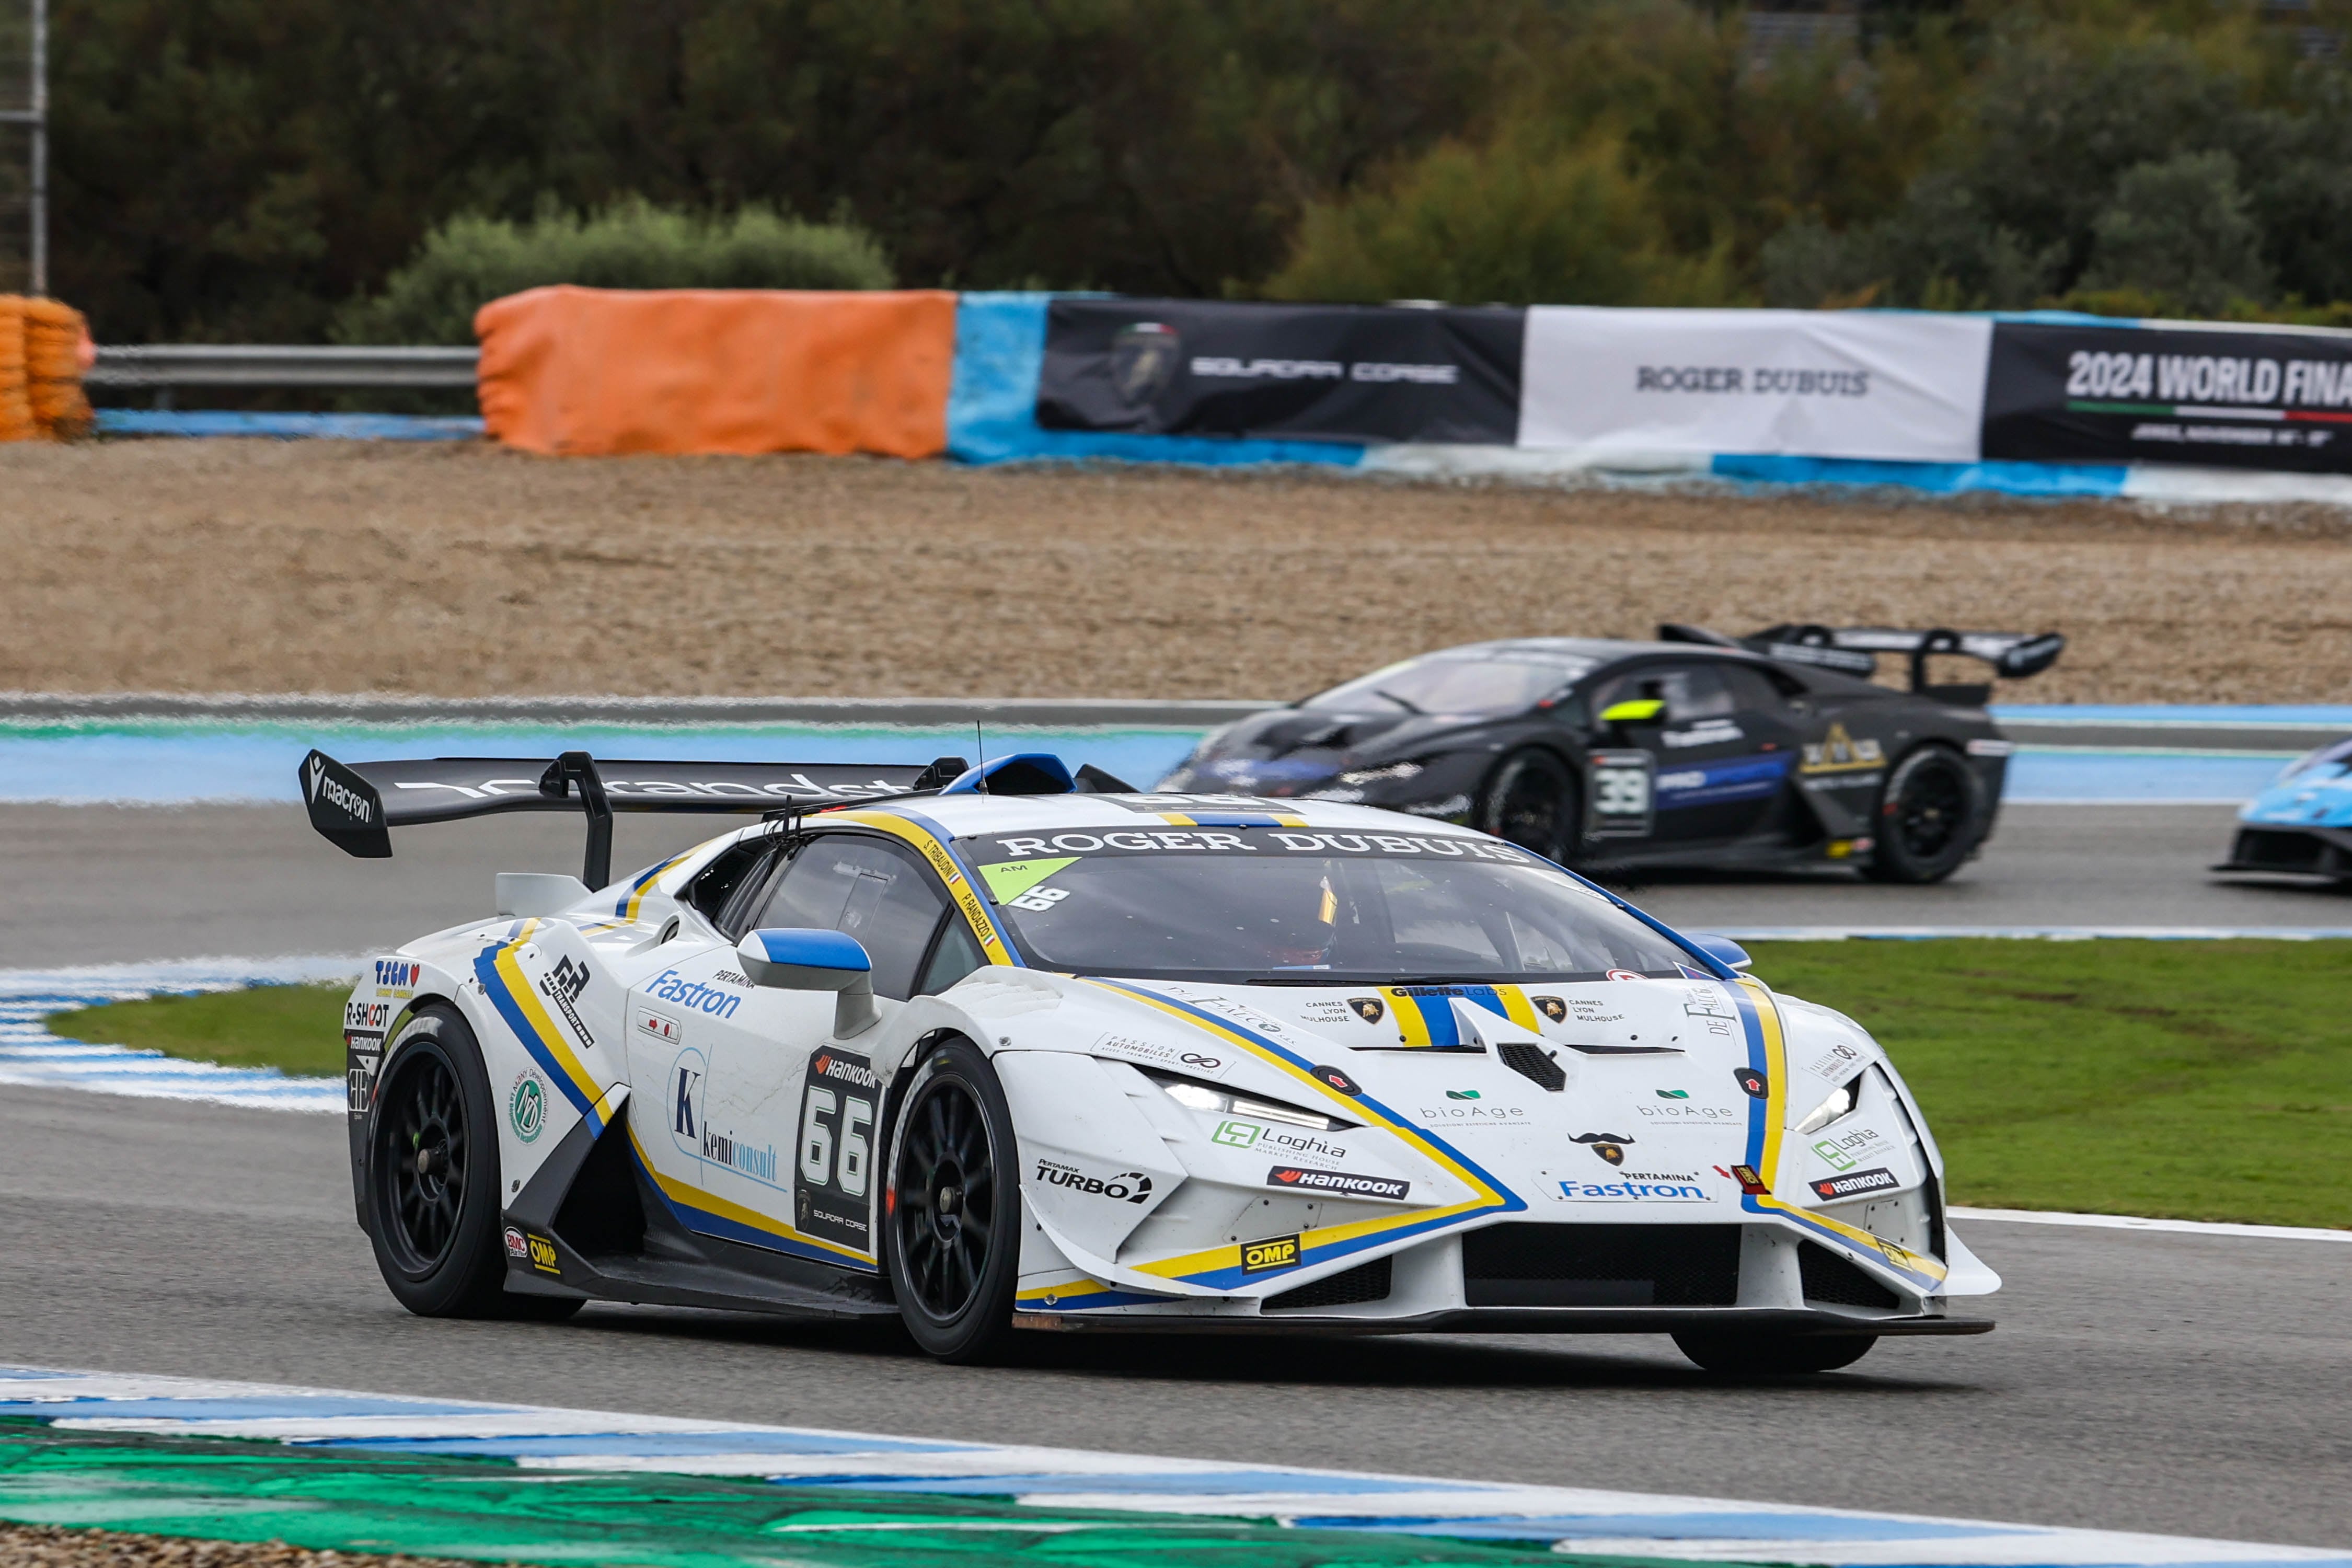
[1265, 1256]
[336, 793]
[542, 1254]
[1127, 1186]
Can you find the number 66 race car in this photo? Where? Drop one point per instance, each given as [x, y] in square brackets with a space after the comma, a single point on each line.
[995, 1049]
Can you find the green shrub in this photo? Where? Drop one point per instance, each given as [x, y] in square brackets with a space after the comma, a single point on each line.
[469, 261]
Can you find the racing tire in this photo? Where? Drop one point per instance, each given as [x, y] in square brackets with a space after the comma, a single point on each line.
[1532, 800]
[1930, 817]
[1736, 1354]
[952, 1213]
[433, 1179]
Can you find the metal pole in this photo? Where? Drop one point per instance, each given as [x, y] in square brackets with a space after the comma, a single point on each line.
[40, 172]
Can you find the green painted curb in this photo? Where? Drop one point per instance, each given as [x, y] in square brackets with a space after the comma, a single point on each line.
[349, 1500]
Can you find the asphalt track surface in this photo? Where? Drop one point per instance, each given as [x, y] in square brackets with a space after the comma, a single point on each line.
[2139, 1381]
[95, 884]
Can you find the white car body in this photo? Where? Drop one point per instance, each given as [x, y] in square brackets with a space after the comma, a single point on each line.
[1652, 1190]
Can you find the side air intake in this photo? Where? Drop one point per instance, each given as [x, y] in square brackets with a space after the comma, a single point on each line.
[1532, 1062]
[1364, 1282]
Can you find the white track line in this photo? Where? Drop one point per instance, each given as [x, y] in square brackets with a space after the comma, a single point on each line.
[31, 1054]
[1574, 1518]
[2131, 1222]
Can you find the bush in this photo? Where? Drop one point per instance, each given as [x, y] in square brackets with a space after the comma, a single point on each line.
[469, 261]
[1504, 225]
[2180, 227]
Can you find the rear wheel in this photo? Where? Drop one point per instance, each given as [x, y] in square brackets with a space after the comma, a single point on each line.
[952, 1228]
[433, 1179]
[1931, 815]
[1748, 1354]
[1531, 800]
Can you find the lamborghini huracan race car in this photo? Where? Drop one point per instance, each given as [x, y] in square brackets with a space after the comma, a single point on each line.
[1773, 752]
[2302, 824]
[995, 1049]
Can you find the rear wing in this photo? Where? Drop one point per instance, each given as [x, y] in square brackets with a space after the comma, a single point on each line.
[355, 805]
[1855, 650]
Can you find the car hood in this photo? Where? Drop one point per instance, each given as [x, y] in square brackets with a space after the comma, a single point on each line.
[2318, 796]
[1291, 745]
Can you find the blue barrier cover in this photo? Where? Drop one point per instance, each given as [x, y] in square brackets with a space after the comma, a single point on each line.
[2012, 478]
[992, 403]
[286, 426]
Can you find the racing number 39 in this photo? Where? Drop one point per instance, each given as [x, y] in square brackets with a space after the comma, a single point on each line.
[836, 1153]
[1619, 795]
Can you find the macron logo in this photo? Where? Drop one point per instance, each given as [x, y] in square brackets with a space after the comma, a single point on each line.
[317, 772]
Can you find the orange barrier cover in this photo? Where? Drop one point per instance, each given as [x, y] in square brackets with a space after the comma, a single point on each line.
[55, 339]
[16, 412]
[595, 372]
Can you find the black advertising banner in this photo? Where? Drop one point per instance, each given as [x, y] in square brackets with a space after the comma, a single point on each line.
[2217, 397]
[1317, 373]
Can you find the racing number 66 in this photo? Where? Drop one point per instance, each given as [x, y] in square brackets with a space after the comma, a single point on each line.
[826, 1124]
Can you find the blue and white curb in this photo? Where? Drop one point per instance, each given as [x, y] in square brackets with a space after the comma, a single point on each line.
[30, 1055]
[1580, 1519]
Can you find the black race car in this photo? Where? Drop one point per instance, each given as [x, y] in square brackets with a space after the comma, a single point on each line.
[1772, 752]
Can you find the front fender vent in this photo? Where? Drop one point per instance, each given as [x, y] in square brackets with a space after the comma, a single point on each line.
[1533, 1062]
[1837, 1281]
[1364, 1282]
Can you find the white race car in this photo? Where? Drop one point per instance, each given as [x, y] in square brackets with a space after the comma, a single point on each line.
[1005, 1050]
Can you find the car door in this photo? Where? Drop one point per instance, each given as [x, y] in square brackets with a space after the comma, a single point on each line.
[769, 1120]
[1721, 741]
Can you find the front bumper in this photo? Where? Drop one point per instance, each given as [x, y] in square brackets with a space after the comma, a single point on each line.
[1517, 1321]
[2292, 852]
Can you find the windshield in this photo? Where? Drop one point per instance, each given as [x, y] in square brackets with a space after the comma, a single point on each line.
[2335, 755]
[1306, 906]
[1445, 683]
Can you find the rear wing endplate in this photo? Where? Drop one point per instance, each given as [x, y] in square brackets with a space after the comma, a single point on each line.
[355, 805]
[1855, 650]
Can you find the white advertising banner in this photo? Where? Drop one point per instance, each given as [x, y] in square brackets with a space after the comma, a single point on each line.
[1817, 383]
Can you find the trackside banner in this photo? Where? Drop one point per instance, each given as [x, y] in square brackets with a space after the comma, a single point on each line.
[1826, 384]
[2217, 396]
[1328, 373]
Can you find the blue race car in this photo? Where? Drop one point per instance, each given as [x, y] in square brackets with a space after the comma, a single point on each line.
[2302, 824]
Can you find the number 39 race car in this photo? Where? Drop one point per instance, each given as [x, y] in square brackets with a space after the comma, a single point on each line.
[995, 1048]
[1773, 752]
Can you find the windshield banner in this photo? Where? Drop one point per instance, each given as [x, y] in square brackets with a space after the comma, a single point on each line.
[2221, 398]
[995, 852]
[1332, 373]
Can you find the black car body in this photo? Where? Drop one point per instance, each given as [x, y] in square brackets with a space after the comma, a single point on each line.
[1774, 751]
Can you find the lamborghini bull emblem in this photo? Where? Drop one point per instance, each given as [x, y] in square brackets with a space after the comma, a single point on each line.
[1368, 1008]
[1551, 1008]
[1610, 1146]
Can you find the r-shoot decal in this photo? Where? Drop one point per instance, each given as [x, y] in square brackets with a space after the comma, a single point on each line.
[1223, 1267]
[1767, 1055]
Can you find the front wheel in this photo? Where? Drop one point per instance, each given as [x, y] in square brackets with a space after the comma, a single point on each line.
[1931, 814]
[951, 1225]
[1749, 1355]
[1531, 800]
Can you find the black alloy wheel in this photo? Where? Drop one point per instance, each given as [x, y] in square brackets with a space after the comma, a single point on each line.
[433, 1179]
[952, 1232]
[1930, 816]
[1752, 1354]
[1531, 801]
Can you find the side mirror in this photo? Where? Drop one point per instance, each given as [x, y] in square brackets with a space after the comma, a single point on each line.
[529, 893]
[794, 959]
[1633, 710]
[1722, 949]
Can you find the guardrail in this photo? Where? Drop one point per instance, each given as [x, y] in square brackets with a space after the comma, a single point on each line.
[166, 365]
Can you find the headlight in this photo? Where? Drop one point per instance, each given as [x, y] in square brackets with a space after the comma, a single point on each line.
[1194, 1095]
[1394, 771]
[1838, 1104]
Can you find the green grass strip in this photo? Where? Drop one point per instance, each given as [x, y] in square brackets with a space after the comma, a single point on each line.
[349, 1499]
[2184, 1079]
[295, 1028]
